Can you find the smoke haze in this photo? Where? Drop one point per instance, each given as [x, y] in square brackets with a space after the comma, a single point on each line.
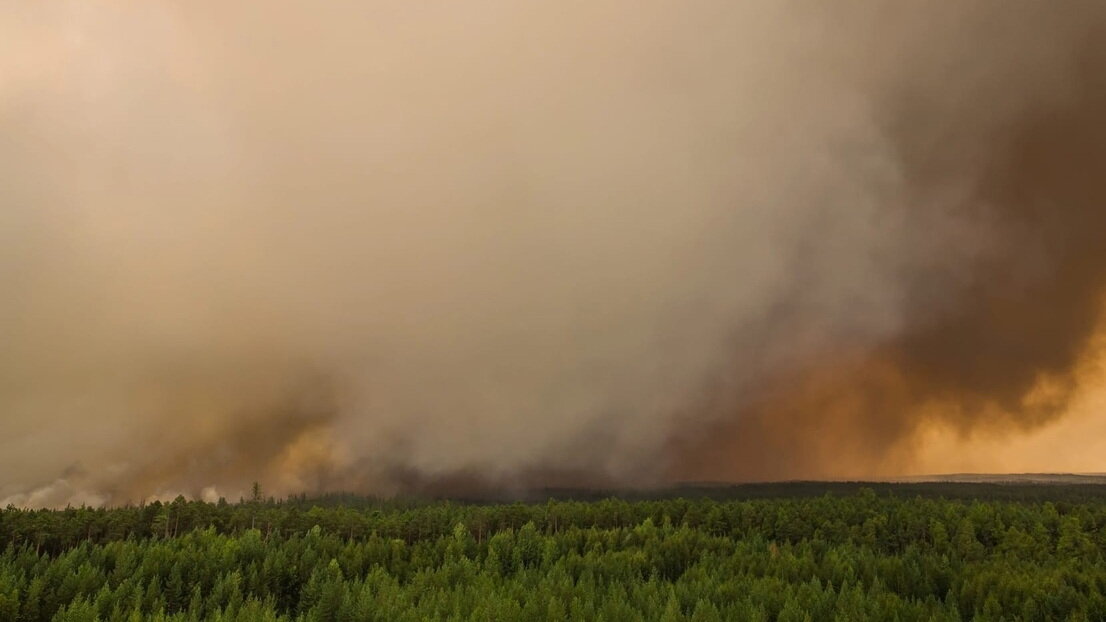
[392, 248]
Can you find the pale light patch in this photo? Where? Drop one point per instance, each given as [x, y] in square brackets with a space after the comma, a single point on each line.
[210, 494]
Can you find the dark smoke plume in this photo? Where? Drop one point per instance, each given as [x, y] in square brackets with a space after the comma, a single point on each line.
[1006, 139]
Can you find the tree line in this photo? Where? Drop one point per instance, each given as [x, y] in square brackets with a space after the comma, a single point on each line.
[831, 557]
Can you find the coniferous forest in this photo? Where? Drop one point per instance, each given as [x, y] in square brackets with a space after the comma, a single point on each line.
[785, 552]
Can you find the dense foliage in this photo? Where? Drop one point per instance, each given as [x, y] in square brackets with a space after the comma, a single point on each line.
[831, 557]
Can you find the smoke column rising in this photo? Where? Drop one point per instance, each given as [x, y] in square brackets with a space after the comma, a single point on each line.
[396, 248]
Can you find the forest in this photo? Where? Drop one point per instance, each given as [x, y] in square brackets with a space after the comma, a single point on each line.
[773, 553]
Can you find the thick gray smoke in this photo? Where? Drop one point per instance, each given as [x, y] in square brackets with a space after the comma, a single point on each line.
[394, 247]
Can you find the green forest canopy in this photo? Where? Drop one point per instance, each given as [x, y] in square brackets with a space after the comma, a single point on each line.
[778, 552]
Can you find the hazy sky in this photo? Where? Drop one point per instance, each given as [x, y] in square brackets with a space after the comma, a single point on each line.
[399, 247]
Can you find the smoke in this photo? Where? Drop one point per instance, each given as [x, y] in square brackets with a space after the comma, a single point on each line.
[1000, 320]
[397, 248]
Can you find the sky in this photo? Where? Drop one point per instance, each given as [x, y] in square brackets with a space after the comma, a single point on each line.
[437, 248]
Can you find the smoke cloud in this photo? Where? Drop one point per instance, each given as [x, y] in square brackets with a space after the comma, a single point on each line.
[391, 248]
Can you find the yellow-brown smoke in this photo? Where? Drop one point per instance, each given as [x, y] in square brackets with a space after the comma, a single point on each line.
[1001, 328]
[387, 247]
